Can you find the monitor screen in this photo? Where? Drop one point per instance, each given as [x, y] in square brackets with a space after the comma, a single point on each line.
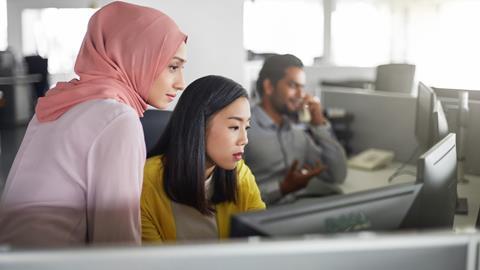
[427, 251]
[381, 209]
[439, 124]
[429, 203]
[436, 169]
[430, 123]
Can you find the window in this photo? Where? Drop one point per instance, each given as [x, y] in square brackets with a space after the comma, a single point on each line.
[3, 25]
[361, 33]
[439, 37]
[55, 34]
[443, 42]
[284, 26]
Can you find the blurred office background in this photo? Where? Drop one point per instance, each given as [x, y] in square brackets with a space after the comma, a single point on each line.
[341, 41]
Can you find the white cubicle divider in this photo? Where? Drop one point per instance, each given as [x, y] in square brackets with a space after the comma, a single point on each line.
[428, 251]
[387, 121]
[472, 147]
[384, 120]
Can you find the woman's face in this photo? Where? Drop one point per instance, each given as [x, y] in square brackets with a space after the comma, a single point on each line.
[170, 81]
[227, 134]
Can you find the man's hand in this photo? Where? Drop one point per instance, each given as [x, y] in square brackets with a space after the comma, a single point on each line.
[316, 110]
[297, 179]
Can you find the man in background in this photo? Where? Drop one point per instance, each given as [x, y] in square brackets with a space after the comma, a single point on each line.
[283, 154]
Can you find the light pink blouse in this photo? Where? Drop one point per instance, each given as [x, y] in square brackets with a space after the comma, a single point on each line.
[76, 180]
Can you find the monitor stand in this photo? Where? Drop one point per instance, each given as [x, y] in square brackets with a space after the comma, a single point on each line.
[462, 203]
[462, 206]
[463, 113]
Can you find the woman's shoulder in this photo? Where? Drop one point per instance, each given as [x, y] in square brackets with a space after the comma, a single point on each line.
[105, 107]
[244, 174]
[99, 113]
[153, 169]
[248, 192]
[154, 161]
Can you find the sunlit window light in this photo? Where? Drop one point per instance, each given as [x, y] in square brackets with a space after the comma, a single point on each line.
[55, 34]
[445, 46]
[360, 33]
[286, 26]
[3, 25]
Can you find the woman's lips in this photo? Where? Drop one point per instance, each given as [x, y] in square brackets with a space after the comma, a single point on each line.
[238, 156]
[170, 97]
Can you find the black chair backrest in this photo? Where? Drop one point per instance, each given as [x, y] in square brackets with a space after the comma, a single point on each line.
[38, 65]
[154, 123]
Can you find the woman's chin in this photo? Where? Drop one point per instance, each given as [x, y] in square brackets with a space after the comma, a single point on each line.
[229, 166]
[160, 106]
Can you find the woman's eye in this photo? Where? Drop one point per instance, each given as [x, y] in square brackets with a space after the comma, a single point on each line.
[247, 128]
[173, 67]
[234, 128]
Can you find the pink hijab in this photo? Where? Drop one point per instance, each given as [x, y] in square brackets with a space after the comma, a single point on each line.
[125, 49]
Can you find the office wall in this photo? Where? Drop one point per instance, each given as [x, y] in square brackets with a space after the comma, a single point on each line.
[387, 120]
[214, 27]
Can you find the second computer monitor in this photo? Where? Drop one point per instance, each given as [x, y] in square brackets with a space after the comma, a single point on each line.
[430, 123]
[436, 169]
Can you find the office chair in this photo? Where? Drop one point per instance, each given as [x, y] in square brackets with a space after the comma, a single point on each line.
[38, 65]
[154, 123]
[395, 78]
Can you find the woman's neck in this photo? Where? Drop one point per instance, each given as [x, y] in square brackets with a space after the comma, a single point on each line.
[209, 169]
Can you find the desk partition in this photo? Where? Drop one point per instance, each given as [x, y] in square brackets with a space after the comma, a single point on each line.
[381, 119]
[387, 120]
[428, 251]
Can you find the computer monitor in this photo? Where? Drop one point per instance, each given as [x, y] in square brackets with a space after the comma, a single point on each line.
[431, 123]
[381, 209]
[436, 169]
[429, 203]
[427, 251]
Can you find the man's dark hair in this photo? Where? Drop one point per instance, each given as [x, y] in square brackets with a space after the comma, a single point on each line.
[183, 144]
[274, 69]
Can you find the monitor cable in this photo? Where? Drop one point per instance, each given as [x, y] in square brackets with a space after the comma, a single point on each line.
[401, 170]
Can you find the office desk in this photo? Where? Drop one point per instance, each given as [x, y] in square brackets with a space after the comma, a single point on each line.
[359, 180]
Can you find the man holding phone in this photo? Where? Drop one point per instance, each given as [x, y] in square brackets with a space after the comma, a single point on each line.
[285, 155]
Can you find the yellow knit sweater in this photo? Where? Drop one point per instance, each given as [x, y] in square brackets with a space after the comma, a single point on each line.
[158, 223]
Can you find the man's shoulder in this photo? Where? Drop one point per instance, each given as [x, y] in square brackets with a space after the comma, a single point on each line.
[260, 119]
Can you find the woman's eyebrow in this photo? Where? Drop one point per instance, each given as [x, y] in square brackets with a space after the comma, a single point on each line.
[180, 59]
[239, 118]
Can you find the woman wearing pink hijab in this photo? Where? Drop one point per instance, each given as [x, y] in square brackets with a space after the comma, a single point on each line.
[77, 176]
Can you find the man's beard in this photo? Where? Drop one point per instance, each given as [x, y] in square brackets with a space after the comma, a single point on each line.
[280, 107]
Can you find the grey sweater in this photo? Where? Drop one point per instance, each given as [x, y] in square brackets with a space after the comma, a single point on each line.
[272, 149]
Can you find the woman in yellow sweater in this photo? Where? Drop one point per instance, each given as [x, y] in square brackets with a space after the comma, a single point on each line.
[195, 178]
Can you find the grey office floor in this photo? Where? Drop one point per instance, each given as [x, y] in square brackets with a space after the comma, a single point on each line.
[10, 139]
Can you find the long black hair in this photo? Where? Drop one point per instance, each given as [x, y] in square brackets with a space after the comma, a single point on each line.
[183, 144]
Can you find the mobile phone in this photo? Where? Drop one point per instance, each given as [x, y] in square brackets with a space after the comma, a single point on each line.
[304, 115]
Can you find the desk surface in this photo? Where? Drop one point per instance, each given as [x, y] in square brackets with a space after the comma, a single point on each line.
[358, 180]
